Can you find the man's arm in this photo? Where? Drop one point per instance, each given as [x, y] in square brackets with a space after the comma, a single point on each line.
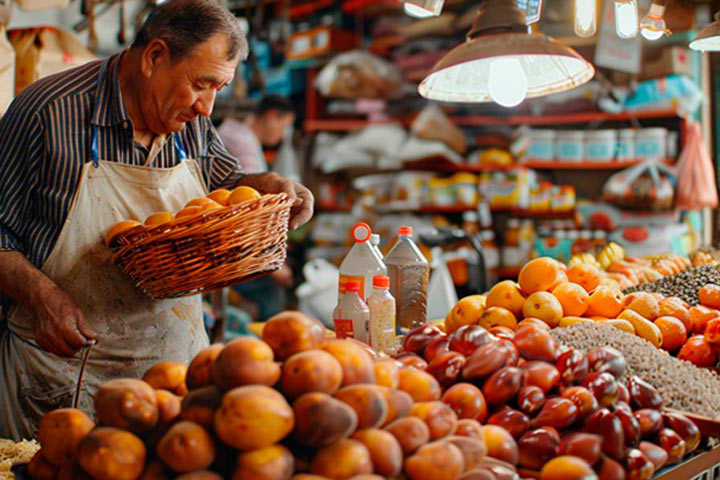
[58, 323]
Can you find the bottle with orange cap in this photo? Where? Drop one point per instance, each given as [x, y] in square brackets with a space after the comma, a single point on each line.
[362, 262]
[382, 316]
[351, 317]
[409, 272]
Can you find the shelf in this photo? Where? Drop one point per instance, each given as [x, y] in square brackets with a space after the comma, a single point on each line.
[346, 125]
[562, 119]
[455, 209]
[585, 165]
[444, 165]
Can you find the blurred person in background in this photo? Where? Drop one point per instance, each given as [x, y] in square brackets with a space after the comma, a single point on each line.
[245, 140]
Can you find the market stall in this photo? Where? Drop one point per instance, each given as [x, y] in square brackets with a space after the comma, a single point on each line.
[509, 273]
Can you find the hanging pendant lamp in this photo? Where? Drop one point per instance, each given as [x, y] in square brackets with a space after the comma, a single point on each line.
[502, 61]
[708, 40]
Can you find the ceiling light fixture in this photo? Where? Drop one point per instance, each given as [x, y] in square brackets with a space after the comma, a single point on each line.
[708, 40]
[502, 61]
[423, 8]
[653, 25]
[585, 18]
[626, 18]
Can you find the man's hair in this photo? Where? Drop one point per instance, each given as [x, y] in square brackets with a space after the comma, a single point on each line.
[185, 24]
[274, 102]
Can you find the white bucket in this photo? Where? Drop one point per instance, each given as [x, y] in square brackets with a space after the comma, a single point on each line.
[600, 145]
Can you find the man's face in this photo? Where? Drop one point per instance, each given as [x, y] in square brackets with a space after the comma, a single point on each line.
[175, 92]
[273, 125]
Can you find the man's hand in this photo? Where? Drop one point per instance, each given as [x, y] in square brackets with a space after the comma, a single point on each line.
[60, 326]
[302, 209]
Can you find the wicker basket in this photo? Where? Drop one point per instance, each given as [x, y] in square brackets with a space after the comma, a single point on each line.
[205, 252]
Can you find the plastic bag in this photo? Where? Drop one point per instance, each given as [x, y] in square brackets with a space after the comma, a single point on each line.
[359, 74]
[647, 186]
[433, 124]
[696, 177]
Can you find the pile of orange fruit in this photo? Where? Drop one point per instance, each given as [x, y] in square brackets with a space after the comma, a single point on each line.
[558, 296]
[197, 206]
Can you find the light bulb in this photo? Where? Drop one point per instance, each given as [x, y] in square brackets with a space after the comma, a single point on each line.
[507, 81]
[585, 18]
[415, 11]
[653, 26]
[626, 18]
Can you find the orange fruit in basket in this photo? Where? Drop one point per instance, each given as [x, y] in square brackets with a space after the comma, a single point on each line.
[221, 196]
[190, 212]
[573, 298]
[159, 218]
[204, 202]
[673, 331]
[587, 276]
[242, 194]
[119, 228]
[605, 302]
[709, 296]
[507, 295]
[538, 275]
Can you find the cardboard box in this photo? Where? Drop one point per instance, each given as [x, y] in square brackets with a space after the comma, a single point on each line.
[672, 61]
[320, 41]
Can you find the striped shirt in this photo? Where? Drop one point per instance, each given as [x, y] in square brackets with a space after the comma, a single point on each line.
[45, 138]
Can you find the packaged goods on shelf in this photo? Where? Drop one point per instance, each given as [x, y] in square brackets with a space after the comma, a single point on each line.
[506, 189]
[601, 145]
[647, 186]
[433, 124]
[672, 91]
[570, 145]
[359, 74]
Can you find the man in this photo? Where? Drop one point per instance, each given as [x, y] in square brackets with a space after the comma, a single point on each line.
[80, 150]
[265, 128]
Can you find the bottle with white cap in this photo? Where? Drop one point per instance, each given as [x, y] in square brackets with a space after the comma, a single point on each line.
[375, 242]
[361, 263]
[409, 273]
[351, 317]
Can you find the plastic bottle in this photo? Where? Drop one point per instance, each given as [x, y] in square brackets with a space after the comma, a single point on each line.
[362, 262]
[351, 317]
[382, 316]
[409, 272]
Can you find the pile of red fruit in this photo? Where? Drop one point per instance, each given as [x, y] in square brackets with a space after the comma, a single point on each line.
[561, 413]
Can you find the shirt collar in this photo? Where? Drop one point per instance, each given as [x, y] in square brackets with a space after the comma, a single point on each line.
[109, 104]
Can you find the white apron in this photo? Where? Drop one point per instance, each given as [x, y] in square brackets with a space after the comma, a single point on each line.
[133, 331]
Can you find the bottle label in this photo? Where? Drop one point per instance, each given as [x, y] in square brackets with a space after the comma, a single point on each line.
[344, 328]
[344, 279]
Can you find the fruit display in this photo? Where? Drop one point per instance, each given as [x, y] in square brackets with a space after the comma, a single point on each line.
[472, 404]
[552, 410]
[197, 206]
[557, 296]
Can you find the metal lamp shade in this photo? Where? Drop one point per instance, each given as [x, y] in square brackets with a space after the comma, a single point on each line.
[462, 74]
[708, 40]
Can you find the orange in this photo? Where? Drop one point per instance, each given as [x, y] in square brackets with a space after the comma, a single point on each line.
[466, 312]
[242, 194]
[673, 331]
[700, 315]
[159, 218]
[118, 229]
[573, 298]
[198, 202]
[189, 212]
[545, 306]
[709, 296]
[538, 275]
[506, 294]
[587, 276]
[220, 196]
[605, 302]
[643, 303]
[674, 307]
[497, 317]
